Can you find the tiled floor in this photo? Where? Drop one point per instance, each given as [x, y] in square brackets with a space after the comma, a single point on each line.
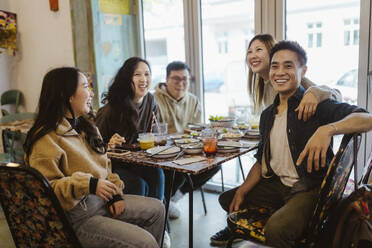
[204, 225]
[6, 240]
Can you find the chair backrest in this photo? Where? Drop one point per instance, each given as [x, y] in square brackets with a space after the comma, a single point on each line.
[11, 97]
[13, 144]
[333, 185]
[366, 177]
[33, 212]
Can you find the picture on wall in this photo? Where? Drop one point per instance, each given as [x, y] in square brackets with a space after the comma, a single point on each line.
[8, 31]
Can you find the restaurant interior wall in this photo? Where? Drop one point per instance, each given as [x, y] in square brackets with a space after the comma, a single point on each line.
[44, 40]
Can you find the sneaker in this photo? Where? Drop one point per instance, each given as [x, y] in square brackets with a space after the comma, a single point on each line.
[222, 237]
[167, 241]
[177, 196]
[174, 212]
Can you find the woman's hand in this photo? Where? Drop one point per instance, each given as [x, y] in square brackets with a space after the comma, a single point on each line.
[105, 189]
[237, 201]
[117, 208]
[115, 140]
[307, 106]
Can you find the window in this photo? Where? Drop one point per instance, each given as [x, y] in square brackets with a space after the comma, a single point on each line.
[331, 34]
[351, 33]
[314, 35]
[164, 35]
[225, 74]
[222, 43]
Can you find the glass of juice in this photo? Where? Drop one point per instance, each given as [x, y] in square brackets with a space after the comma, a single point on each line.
[209, 138]
[146, 140]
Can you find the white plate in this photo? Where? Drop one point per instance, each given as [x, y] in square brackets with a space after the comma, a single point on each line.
[185, 141]
[226, 149]
[233, 136]
[179, 136]
[235, 144]
[171, 152]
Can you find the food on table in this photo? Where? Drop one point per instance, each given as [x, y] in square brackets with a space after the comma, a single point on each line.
[179, 136]
[185, 141]
[241, 127]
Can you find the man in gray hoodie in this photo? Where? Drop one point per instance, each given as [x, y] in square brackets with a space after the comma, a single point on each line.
[177, 107]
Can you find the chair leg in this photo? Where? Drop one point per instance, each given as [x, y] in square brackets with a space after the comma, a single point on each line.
[203, 200]
[241, 167]
[222, 184]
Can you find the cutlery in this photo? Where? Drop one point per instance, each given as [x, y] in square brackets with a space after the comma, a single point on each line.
[162, 150]
[179, 155]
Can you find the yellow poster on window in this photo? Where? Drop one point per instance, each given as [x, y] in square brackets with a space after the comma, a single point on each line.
[121, 7]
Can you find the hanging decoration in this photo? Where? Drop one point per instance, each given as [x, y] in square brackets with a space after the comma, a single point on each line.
[8, 32]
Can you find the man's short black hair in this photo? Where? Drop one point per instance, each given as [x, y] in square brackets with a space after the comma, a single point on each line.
[292, 46]
[176, 66]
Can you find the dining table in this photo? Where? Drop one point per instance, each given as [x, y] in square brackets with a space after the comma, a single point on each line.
[202, 163]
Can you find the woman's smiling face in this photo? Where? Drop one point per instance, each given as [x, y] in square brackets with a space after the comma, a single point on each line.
[258, 57]
[141, 80]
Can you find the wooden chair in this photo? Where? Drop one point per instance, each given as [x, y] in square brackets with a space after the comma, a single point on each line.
[33, 212]
[331, 191]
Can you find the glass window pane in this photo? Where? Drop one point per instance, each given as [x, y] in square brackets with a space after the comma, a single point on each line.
[337, 34]
[227, 28]
[164, 39]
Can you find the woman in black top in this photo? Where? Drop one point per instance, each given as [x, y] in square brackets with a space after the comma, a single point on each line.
[128, 111]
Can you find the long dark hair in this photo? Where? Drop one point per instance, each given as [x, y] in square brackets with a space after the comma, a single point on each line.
[58, 86]
[121, 95]
[256, 83]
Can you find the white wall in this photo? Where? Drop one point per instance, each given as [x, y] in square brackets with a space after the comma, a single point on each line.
[44, 42]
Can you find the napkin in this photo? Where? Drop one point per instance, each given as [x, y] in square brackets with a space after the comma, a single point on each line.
[189, 160]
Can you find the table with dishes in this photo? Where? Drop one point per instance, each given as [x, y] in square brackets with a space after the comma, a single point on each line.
[191, 153]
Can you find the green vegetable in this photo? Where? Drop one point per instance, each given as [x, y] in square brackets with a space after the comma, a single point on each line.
[215, 118]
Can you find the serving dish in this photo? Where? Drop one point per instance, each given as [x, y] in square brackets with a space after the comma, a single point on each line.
[156, 152]
[227, 122]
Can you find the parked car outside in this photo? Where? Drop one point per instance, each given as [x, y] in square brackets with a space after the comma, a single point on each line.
[348, 85]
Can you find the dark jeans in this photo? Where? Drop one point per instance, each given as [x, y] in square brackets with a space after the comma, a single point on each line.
[140, 180]
[179, 180]
[293, 212]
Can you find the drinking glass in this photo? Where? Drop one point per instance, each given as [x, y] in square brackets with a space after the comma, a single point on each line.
[160, 133]
[146, 140]
[209, 138]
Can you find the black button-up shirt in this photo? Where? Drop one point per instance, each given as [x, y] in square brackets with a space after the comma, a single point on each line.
[299, 132]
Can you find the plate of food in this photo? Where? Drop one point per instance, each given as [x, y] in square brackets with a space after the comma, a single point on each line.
[195, 148]
[253, 133]
[242, 127]
[232, 135]
[227, 149]
[180, 142]
[235, 144]
[163, 151]
[179, 136]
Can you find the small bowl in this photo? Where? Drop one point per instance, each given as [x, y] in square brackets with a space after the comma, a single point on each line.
[190, 149]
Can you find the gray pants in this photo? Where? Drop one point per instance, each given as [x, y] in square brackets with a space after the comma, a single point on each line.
[294, 211]
[140, 225]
